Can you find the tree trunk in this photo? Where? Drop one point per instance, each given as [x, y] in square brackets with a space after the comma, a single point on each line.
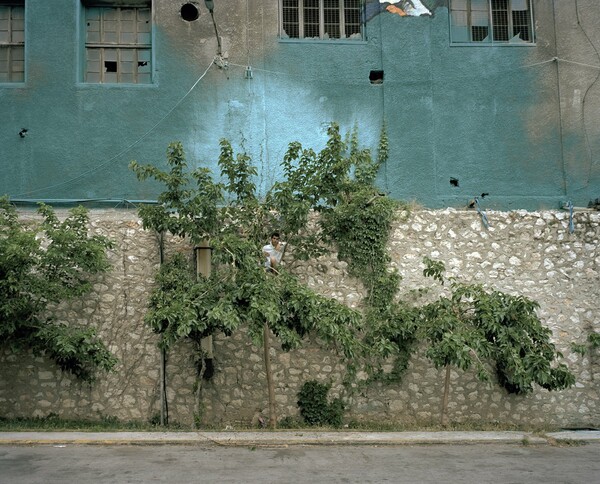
[198, 388]
[164, 409]
[444, 418]
[270, 384]
[204, 349]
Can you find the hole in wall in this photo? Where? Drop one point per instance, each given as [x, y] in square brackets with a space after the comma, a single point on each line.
[376, 77]
[189, 12]
[110, 66]
[454, 182]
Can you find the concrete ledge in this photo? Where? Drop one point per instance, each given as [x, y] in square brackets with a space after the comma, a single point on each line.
[575, 436]
[282, 438]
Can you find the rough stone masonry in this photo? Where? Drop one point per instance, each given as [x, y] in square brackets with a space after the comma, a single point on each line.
[531, 253]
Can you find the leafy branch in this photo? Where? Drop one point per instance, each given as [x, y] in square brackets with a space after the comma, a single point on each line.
[48, 263]
[480, 327]
[231, 219]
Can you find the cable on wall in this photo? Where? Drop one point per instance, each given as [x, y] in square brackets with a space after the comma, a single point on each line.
[585, 130]
[560, 118]
[248, 72]
[124, 150]
[385, 164]
[278, 73]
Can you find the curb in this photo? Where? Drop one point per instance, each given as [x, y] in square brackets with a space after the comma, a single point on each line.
[289, 438]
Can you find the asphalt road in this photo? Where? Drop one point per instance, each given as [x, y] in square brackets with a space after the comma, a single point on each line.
[482, 463]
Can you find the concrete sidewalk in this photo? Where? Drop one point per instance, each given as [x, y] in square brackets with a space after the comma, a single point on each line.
[295, 437]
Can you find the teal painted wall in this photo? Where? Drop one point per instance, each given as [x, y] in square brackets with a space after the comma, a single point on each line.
[506, 120]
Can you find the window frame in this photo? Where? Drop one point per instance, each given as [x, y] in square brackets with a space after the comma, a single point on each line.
[491, 26]
[11, 46]
[135, 47]
[323, 35]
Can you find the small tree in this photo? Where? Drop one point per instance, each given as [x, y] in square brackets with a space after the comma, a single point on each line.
[235, 222]
[46, 264]
[477, 327]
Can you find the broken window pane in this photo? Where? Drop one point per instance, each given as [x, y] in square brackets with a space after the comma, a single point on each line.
[118, 42]
[491, 21]
[352, 15]
[110, 66]
[12, 40]
[291, 18]
[521, 28]
[322, 19]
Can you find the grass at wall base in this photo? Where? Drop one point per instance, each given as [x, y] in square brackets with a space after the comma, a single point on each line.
[105, 423]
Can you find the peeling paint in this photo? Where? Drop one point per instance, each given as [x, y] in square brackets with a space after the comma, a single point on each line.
[403, 8]
[410, 8]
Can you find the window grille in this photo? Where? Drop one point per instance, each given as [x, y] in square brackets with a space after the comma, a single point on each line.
[118, 44]
[322, 19]
[12, 41]
[491, 21]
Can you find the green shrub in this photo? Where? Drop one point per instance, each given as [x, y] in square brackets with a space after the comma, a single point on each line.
[315, 408]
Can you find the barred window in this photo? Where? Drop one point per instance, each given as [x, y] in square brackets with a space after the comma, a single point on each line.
[322, 19]
[491, 21]
[118, 42]
[12, 41]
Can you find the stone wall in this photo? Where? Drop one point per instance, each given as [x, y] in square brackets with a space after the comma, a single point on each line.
[532, 253]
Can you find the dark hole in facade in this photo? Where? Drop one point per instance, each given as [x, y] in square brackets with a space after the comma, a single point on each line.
[141, 64]
[376, 77]
[110, 66]
[454, 182]
[189, 12]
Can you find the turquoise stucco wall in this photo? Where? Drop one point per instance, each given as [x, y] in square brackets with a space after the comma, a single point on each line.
[502, 120]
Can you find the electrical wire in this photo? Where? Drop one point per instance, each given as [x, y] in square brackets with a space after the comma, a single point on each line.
[403, 80]
[124, 150]
[583, 121]
[248, 31]
[219, 49]
[482, 214]
[592, 66]
[383, 124]
[559, 106]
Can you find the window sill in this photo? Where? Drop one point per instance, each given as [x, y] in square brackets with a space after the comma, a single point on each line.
[114, 85]
[493, 44]
[322, 41]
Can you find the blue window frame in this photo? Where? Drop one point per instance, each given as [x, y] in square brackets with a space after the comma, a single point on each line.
[322, 19]
[118, 42]
[487, 22]
[12, 41]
